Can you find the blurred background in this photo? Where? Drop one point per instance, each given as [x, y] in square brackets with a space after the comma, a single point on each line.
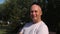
[15, 13]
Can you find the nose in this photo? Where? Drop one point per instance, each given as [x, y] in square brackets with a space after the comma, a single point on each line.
[33, 13]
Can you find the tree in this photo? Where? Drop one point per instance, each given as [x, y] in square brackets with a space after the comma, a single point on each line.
[17, 12]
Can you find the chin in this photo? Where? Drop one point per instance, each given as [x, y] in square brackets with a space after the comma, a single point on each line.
[34, 19]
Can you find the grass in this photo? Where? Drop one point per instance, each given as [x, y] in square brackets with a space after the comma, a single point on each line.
[2, 31]
[6, 30]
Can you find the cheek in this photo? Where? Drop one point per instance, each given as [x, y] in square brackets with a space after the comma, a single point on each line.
[38, 14]
[30, 15]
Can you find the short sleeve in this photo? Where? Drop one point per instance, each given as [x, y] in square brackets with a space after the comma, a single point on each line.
[43, 30]
[22, 30]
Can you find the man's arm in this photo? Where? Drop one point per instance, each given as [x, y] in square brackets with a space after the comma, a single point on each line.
[20, 32]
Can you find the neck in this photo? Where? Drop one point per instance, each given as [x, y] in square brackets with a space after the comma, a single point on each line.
[36, 21]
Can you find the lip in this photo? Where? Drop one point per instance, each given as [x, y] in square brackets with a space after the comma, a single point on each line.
[33, 16]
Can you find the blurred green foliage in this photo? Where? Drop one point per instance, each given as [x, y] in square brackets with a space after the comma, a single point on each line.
[15, 13]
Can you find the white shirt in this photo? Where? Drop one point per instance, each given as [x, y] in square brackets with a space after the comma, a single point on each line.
[38, 28]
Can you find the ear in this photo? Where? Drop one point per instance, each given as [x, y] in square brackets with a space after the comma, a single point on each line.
[40, 12]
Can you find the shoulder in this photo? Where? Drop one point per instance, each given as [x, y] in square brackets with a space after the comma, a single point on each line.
[28, 24]
[43, 28]
[43, 25]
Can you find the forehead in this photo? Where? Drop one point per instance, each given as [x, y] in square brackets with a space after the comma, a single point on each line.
[35, 7]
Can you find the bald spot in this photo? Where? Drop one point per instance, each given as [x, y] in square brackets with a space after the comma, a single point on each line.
[35, 7]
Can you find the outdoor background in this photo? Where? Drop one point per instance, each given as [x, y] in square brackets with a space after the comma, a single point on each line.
[15, 13]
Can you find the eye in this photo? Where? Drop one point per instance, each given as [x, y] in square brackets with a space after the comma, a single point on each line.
[35, 11]
[31, 11]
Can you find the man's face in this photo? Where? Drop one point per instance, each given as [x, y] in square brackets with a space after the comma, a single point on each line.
[35, 12]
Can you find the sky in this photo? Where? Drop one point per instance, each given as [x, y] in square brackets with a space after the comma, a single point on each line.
[2, 1]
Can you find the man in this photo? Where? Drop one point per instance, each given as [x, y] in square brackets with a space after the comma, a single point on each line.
[37, 26]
